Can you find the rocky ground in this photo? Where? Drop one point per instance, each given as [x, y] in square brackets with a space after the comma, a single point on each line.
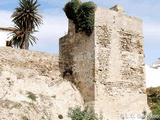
[31, 87]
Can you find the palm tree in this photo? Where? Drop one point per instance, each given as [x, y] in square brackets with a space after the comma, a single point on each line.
[26, 19]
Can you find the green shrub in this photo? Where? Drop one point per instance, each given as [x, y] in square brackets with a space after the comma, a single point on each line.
[82, 15]
[32, 96]
[153, 95]
[78, 114]
[71, 9]
[85, 18]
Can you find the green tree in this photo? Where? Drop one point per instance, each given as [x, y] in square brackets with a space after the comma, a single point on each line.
[26, 18]
[82, 14]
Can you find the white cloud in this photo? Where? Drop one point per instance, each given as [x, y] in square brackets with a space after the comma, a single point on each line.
[152, 77]
[53, 28]
[5, 18]
[152, 30]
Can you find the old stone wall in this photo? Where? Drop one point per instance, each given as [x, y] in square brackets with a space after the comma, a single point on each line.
[120, 78]
[77, 61]
[108, 66]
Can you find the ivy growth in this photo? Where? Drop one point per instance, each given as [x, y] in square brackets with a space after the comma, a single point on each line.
[82, 14]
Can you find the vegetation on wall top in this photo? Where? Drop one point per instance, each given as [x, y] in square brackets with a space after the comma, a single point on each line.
[82, 14]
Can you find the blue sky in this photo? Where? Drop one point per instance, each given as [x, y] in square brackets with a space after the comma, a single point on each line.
[55, 22]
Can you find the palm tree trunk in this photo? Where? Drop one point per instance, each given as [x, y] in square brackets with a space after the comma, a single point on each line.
[21, 46]
[27, 41]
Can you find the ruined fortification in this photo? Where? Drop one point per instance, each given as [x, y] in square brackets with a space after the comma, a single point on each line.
[104, 71]
[108, 66]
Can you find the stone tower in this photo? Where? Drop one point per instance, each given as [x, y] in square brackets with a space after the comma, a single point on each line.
[108, 66]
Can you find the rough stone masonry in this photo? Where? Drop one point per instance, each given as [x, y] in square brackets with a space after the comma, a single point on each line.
[108, 66]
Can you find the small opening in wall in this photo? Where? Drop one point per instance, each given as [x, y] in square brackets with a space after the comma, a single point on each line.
[67, 73]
